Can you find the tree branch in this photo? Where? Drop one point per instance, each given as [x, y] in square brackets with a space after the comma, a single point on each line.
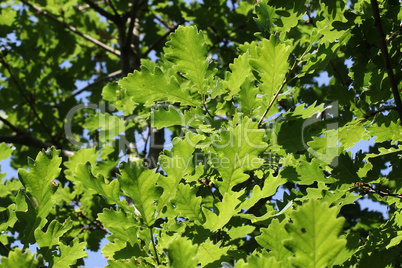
[72, 29]
[116, 19]
[113, 7]
[14, 128]
[386, 58]
[133, 17]
[25, 139]
[30, 141]
[100, 80]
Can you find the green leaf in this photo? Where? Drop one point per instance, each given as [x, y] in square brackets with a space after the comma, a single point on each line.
[385, 151]
[140, 184]
[271, 65]
[314, 235]
[305, 172]
[123, 226]
[265, 17]
[187, 204]
[113, 93]
[40, 187]
[188, 50]
[345, 170]
[241, 231]
[18, 258]
[271, 184]
[250, 102]
[7, 16]
[385, 132]
[70, 254]
[254, 261]
[81, 156]
[109, 125]
[54, 231]
[125, 263]
[308, 112]
[39, 181]
[166, 118]
[110, 192]
[148, 87]
[208, 252]
[237, 151]
[272, 238]
[241, 70]
[177, 164]
[182, 253]
[5, 151]
[225, 211]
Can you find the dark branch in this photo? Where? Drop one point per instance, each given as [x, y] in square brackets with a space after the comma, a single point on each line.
[100, 80]
[30, 141]
[14, 128]
[113, 7]
[71, 28]
[377, 112]
[133, 16]
[109, 16]
[25, 139]
[386, 58]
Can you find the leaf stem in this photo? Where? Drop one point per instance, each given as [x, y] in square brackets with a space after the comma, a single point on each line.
[206, 109]
[277, 92]
[386, 58]
[7, 123]
[153, 245]
[283, 84]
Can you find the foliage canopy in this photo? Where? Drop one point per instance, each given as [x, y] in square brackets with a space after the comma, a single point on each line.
[231, 92]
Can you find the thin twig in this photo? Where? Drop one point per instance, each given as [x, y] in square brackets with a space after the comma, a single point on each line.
[163, 22]
[100, 80]
[163, 37]
[394, 35]
[365, 117]
[153, 245]
[386, 58]
[94, 222]
[366, 188]
[71, 28]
